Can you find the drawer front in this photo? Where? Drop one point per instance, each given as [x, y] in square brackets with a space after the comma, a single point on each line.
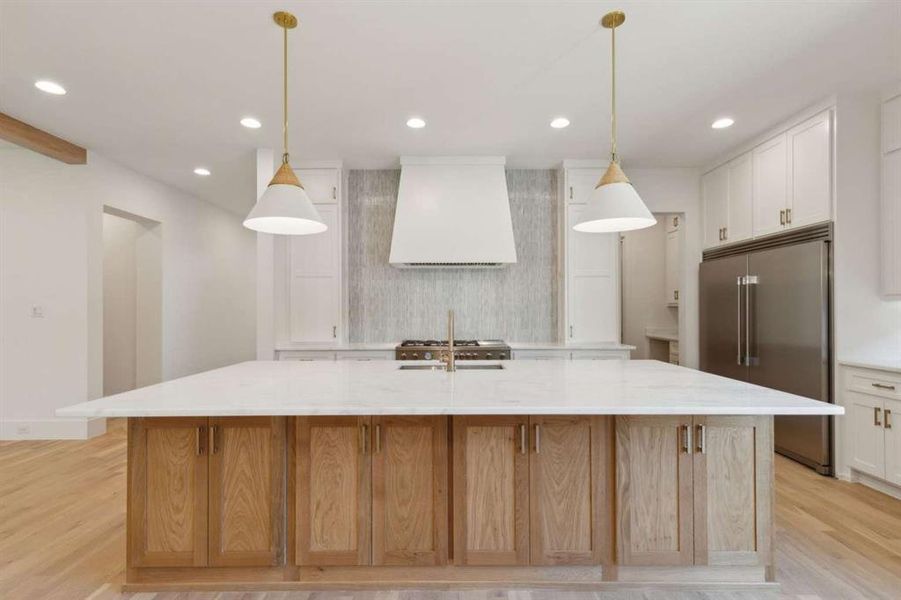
[541, 354]
[365, 355]
[306, 355]
[599, 354]
[877, 383]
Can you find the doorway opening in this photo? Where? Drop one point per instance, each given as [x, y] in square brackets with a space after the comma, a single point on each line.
[651, 277]
[132, 301]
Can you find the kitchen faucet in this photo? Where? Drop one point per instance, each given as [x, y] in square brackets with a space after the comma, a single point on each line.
[448, 357]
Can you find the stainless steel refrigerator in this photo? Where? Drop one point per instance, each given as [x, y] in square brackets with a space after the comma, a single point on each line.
[766, 318]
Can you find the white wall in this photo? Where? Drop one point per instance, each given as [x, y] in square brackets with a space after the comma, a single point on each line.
[51, 254]
[120, 236]
[677, 190]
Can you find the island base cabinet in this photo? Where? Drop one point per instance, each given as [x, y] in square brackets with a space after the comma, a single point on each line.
[206, 491]
[409, 490]
[531, 490]
[694, 491]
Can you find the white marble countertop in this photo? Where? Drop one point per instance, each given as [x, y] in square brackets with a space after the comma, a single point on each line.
[880, 363]
[611, 387]
[571, 346]
[349, 347]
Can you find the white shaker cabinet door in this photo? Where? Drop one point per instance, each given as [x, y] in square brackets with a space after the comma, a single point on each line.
[314, 285]
[592, 283]
[892, 427]
[864, 423]
[891, 125]
[671, 268]
[770, 186]
[580, 184]
[715, 194]
[810, 171]
[321, 185]
[891, 223]
[739, 202]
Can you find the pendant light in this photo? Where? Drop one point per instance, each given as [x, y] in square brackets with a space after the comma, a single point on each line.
[285, 208]
[614, 205]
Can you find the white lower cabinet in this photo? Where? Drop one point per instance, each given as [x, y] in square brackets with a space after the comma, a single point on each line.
[872, 401]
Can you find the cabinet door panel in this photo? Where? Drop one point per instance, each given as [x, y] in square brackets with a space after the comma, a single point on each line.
[332, 491]
[867, 437]
[592, 290]
[733, 482]
[581, 184]
[409, 499]
[491, 490]
[892, 425]
[741, 188]
[671, 269]
[715, 193]
[568, 499]
[810, 172]
[321, 185]
[653, 491]
[770, 186]
[314, 285]
[247, 489]
[167, 499]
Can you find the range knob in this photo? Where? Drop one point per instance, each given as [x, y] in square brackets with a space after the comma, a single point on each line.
[427, 356]
[403, 355]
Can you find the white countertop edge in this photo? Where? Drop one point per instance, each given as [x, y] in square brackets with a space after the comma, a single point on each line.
[364, 346]
[876, 364]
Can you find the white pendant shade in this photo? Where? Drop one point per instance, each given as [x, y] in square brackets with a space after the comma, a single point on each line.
[285, 209]
[614, 207]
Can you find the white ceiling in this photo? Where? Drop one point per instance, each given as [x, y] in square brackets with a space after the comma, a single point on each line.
[160, 86]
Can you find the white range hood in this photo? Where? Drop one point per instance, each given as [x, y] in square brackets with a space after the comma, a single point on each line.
[452, 212]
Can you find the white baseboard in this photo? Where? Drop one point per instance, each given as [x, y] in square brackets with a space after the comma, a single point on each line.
[51, 429]
[880, 485]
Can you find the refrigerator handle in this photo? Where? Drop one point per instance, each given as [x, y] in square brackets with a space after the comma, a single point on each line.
[750, 280]
[738, 282]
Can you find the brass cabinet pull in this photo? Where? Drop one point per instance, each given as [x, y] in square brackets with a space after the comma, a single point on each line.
[334, 192]
[364, 430]
[570, 331]
[570, 192]
[725, 234]
[720, 232]
[788, 216]
[883, 386]
[675, 294]
[888, 418]
[782, 217]
[537, 438]
[378, 438]
[201, 440]
[876, 421]
[522, 439]
[334, 331]
[215, 433]
[702, 438]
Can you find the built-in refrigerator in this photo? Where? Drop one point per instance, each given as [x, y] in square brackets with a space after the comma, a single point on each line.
[766, 318]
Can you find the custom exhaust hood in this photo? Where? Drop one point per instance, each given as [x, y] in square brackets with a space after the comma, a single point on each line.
[452, 212]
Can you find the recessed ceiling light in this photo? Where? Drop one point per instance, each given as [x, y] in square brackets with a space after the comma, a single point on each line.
[51, 87]
[415, 123]
[722, 123]
[201, 171]
[251, 123]
[560, 123]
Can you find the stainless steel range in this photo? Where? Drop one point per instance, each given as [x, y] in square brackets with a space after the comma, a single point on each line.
[463, 350]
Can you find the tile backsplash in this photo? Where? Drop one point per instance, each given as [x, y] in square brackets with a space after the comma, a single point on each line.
[514, 303]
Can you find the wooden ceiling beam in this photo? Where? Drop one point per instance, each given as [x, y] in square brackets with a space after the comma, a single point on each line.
[23, 134]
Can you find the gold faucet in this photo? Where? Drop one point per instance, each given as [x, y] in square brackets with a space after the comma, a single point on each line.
[448, 356]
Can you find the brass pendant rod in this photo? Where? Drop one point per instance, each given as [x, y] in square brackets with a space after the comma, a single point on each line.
[613, 94]
[285, 96]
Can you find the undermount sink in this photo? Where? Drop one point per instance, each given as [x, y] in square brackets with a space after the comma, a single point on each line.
[444, 367]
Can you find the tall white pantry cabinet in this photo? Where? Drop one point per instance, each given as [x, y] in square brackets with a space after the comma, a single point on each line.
[309, 297]
[782, 183]
[891, 195]
[589, 265]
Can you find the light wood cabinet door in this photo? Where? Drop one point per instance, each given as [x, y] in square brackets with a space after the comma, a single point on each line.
[569, 502]
[409, 490]
[892, 425]
[332, 490]
[733, 485]
[247, 491]
[810, 171]
[770, 171]
[715, 197]
[491, 490]
[654, 491]
[864, 424]
[167, 492]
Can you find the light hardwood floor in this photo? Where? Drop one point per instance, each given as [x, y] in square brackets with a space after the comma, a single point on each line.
[62, 536]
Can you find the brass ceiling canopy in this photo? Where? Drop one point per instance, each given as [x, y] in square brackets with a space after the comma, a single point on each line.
[285, 19]
[614, 19]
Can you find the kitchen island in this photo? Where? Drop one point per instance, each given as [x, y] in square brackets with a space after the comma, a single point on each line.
[303, 475]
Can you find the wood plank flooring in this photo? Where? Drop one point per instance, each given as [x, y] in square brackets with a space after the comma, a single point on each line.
[62, 536]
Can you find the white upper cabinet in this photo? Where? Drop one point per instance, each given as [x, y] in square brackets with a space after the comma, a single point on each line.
[671, 268]
[590, 263]
[770, 186]
[890, 216]
[810, 171]
[740, 195]
[321, 185]
[715, 193]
